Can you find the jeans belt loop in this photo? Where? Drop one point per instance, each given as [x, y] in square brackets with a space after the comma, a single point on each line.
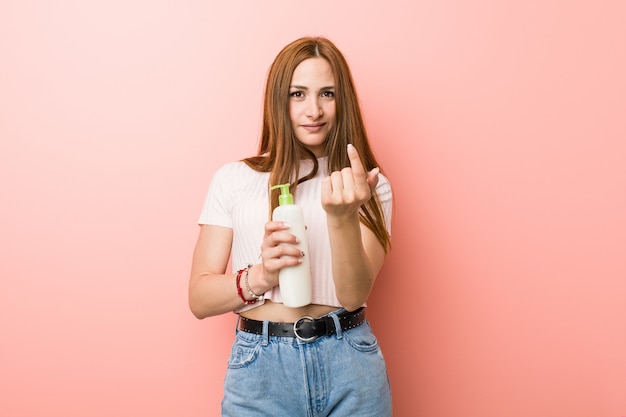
[338, 330]
[266, 333]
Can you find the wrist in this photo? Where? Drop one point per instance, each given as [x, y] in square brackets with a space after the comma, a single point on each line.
[251, 285]
[244, 293]
[343, 221]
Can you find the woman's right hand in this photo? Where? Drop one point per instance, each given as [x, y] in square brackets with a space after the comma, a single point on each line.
[278, 250]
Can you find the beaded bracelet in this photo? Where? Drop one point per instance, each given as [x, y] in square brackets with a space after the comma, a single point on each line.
[252, 294]
[239, 290]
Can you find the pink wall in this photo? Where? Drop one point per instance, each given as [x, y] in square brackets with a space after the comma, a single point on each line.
[500, 123]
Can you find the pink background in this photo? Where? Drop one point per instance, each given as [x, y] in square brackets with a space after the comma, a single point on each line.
[502, 125]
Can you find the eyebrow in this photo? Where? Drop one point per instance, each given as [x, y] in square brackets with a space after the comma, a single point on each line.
[301, 87]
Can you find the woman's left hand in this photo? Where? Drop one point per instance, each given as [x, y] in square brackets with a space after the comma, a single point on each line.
[343, 192]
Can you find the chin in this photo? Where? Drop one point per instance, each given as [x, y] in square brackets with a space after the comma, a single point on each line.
[313, 140]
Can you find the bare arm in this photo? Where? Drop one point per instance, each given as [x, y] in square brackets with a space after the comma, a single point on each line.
[212, 291]
[357, 256]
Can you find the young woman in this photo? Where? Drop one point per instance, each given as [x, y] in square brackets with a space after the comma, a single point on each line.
[321, 359]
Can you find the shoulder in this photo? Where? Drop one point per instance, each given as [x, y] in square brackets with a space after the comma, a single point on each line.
[237, 178]
[236, 171]
[230, 167]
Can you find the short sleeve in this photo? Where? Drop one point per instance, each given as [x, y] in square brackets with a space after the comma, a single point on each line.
[218, 204]
[385, 196]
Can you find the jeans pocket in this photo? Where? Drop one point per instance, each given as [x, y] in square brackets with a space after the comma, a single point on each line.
[362, 338]
[245, 350]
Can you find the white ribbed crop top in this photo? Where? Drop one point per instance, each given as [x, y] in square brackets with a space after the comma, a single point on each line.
[238, 199]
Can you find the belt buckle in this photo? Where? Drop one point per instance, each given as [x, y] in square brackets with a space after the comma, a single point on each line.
[303, 319]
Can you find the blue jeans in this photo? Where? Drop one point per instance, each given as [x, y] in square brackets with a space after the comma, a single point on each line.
[342, 375]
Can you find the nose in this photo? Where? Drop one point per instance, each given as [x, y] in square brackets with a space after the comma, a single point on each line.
[313, 109]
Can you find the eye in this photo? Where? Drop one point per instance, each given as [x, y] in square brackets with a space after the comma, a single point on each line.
[328, 94]
[296, 94]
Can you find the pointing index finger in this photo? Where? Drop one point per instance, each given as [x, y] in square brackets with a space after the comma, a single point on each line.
[355, 160]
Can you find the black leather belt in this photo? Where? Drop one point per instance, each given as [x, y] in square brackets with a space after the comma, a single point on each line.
[306, 328]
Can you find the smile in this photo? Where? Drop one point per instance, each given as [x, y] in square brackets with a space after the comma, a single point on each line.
[316, 127]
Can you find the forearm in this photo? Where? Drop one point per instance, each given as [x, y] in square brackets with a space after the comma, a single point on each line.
[215, 294]
[212, 291]
[353, 272]
[212, 295]
[356, 254]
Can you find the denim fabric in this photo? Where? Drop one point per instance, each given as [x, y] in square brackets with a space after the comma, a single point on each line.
[333, 376]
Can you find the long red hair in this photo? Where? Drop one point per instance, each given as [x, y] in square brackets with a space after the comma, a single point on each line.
[280, 151]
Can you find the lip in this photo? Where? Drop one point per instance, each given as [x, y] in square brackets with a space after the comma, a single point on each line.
[313, 127]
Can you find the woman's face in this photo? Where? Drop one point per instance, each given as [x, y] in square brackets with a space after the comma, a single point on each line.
[312, 103]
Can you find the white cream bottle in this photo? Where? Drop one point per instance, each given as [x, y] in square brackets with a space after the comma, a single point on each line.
[294, 281]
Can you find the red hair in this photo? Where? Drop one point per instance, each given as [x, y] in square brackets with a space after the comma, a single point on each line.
[280, 152]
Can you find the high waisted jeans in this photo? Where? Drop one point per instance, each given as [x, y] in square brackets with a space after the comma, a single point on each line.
[342, 375]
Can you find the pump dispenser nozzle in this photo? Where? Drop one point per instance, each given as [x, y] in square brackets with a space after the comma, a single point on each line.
[285, 198]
